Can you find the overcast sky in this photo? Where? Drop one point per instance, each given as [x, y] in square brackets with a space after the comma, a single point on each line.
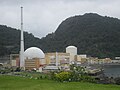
[43, 16]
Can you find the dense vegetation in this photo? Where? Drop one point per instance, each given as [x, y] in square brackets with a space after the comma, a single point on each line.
[93, 34]
[20, 83]
[76, 74]
[10, 40]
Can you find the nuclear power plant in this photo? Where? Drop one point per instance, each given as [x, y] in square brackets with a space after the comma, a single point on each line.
[35, 58]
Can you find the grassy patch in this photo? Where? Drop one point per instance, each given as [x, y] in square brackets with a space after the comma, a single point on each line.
[20, 83]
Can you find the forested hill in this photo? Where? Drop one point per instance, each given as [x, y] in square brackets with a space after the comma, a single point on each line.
[93, 34]
[10, 40]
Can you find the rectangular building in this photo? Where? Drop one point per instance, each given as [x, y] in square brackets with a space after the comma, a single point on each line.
[50, 58]
[32, 64]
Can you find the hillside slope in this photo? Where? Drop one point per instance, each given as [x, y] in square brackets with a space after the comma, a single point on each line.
[93, 34]
[10, 40]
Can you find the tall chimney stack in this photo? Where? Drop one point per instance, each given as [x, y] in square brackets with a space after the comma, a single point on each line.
[22, 42]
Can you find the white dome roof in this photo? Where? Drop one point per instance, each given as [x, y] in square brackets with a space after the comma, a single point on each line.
[71, 47]
[72, 50]
[33, 52]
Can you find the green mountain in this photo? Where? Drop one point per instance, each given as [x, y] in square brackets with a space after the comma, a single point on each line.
[93, 34]
[10, 40]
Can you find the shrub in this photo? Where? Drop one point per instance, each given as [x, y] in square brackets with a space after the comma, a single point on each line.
[62, 76]
[76, 73]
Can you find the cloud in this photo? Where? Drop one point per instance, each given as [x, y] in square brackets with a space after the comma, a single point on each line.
[43, 16]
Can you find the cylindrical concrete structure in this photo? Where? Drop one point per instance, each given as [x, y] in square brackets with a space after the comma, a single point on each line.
[73, 51]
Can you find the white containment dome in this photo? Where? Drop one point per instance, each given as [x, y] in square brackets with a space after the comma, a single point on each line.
[72, 50]
[34, 52]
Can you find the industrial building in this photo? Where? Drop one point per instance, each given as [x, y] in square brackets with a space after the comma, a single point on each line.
[57, 60]
[72, 50]
[14, 60]
[95, 60]
[33, 63]
[61, 57]
[35, 58]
